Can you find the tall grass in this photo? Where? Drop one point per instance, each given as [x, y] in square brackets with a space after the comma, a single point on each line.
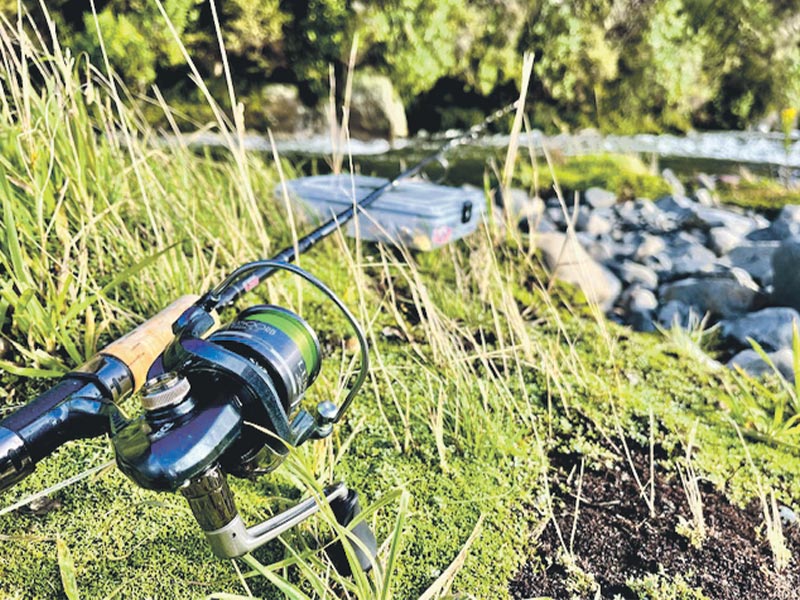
[480, 366]
[102, 225]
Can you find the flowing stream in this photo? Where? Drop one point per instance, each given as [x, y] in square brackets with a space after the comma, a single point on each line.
[715, 152]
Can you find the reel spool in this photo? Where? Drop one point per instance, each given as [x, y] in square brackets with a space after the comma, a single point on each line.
[230, 403]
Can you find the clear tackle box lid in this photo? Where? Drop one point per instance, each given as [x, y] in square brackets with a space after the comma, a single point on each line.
[417, 198]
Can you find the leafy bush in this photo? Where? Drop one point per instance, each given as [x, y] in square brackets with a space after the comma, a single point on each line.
[623, 66]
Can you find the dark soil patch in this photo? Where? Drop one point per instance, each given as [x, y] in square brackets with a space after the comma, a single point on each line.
[616, 539]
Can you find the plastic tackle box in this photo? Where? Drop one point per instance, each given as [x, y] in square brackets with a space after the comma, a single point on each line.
[416, 214]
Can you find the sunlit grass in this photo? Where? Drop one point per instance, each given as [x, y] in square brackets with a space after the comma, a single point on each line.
[482, 364]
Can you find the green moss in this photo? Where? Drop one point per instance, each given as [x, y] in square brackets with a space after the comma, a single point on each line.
[662, 587]
[766, 195]
[625, 175]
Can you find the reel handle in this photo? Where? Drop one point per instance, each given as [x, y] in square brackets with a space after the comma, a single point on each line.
[212, 504]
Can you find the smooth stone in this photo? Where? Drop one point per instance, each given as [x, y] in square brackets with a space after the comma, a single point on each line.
[376, 108]
[690, 258]
[755, 366]
[599, 198]
[569, 262]
[556, 215]
[515, 202]
[676, 313]
[593, 224]
[661, 263]
[721, 296]
[673, 182]
[709, 217]
[603, 251]
[785, 226]
[650, 246]
[535, 222]
[756, 259]
[633, 273]
[707, 181]
[283, 109]
[627, 214]
[788, 516]
[771, 327]
[789, 214]
[639, 299]
[642, 321]
[786, 274]
[677, 204]
[722, 240]
[704, 197]
[660, 222]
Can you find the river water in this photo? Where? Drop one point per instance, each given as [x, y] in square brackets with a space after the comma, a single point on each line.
[712, 152]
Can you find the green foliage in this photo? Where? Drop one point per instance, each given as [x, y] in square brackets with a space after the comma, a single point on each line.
[136, 40]
[618, 65]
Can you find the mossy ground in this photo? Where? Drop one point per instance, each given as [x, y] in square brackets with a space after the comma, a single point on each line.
[761, 194]
[127, 542]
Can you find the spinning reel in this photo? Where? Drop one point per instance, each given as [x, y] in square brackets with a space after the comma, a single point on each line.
[217, 402]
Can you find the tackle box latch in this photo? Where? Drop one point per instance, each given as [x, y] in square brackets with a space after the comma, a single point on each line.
[466, 212]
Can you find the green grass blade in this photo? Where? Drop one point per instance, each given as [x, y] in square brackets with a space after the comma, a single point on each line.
[290, 591]
[66, 567]
[394, 549]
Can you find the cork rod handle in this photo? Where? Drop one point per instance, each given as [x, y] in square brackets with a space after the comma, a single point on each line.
[139, 348]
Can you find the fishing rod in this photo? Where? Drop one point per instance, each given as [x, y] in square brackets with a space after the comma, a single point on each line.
[232, 289]
[217, 400]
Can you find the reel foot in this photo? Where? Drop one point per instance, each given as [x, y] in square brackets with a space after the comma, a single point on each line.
[345, 509]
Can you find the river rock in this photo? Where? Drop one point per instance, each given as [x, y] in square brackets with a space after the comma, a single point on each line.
[376, 108]
[756, 259]
[515, 201]
[706, 181]
[653, 217]
[722, 240]
[708, 217]
[642, 321]
[676, 313]
[771, 327]
[568, 261]
[638, 299]
[752, 363]
[649, 246]
[785, 226]
[704, 197]
[674, 183]
[661, 263]
[721, 296]
[282, 110]
[788, 222]
[786, 274]
[633, 273]
[676, 204]
[556, 215]
[690, 257]
[599, 198]
[597, 225]
[788, 516]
